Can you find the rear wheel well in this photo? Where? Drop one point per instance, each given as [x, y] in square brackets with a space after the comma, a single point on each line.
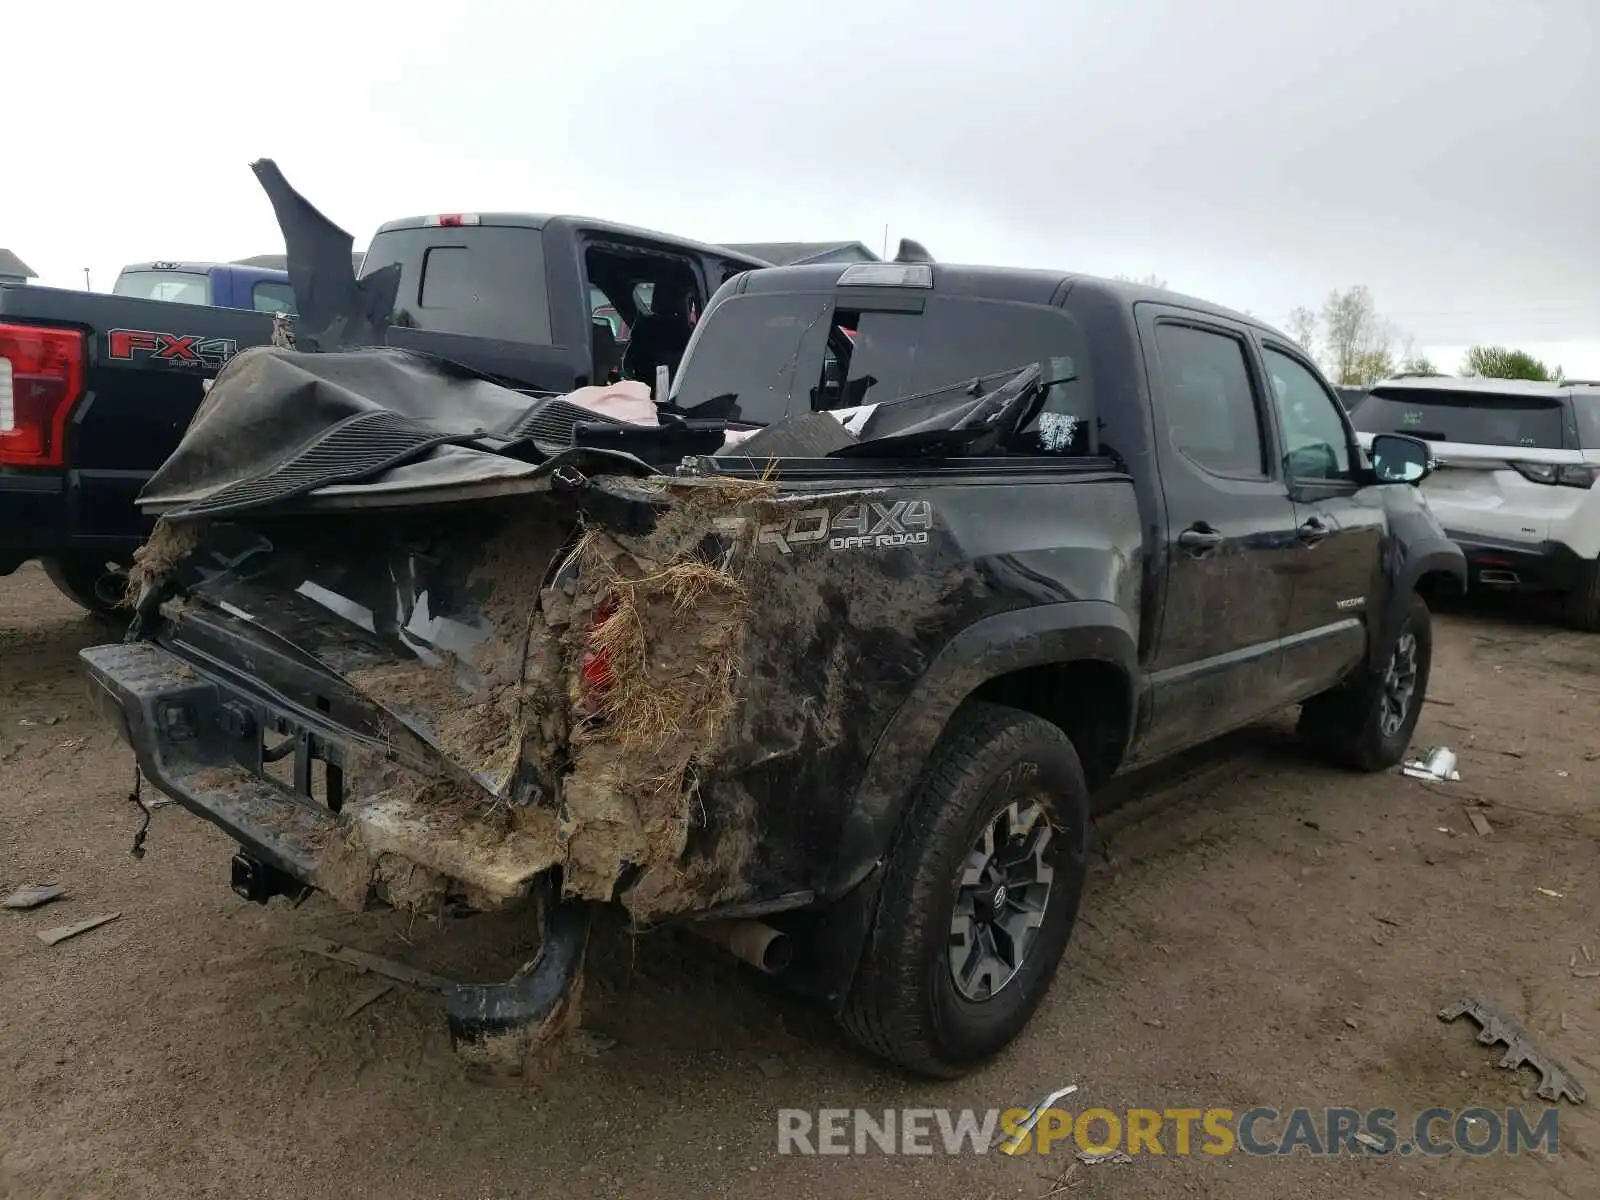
[1089, 700]
[1435, 586]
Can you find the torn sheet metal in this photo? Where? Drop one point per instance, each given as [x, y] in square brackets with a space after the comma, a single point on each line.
[337, 311]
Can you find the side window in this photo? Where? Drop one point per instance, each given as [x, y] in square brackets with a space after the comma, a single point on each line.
[272, 297]
[1210, 403]
[1316, 443]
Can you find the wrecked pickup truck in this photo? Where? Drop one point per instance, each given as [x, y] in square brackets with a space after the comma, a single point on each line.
[96, 390]
[836, 696]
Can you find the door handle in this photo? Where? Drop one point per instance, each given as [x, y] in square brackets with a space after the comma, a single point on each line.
[1312, 531]
[1199, 539]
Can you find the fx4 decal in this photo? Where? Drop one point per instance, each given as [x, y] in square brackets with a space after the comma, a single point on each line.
[854, 527]
[169, 349]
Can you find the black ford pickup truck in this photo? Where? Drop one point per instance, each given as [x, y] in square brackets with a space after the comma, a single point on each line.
[96, 390]
[838, 696]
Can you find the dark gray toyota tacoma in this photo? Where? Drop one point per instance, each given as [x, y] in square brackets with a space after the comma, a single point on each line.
[826, 665]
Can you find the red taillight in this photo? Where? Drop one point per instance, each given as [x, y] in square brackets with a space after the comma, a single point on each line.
[41, 375]
[452, 220]
[595, 669]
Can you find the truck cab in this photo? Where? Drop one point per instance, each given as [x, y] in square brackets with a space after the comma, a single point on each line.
[218, 285]
[499, 292]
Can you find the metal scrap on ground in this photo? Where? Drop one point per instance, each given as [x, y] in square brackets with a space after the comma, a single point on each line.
[32, 896]
[1555, 1080]
[1479, 822]
[1014, 1143]
[62, 932]
[1106, 1156]
[1437, 765]
[389, 969]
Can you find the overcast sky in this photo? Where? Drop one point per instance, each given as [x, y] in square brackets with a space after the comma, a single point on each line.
[1446, 154]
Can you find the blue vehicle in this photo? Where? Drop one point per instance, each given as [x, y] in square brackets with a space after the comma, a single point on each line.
[218, 285]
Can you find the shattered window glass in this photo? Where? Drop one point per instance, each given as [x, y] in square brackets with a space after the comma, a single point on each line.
[894, 355]
[1056, 431]
[744, 357]
[766, 348]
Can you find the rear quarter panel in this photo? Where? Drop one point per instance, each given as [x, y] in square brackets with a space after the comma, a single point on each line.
[858, 596]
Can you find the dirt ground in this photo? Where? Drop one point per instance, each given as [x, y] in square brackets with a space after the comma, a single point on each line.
[1259, 931]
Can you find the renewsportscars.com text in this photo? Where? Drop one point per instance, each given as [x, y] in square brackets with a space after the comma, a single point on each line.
[1319, 1132]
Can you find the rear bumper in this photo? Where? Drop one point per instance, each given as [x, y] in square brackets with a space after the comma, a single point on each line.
[33, 517]
[163, 708]
[1523, 566]
[45, 514]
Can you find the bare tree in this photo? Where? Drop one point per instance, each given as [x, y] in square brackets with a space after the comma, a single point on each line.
[1360, 343]
[1151, 281]
[1303, 328]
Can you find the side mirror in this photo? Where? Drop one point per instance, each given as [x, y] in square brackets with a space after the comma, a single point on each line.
[1400, 459]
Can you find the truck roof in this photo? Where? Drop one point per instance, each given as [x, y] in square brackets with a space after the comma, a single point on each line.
[1480, 384]
[169, 264]
[1020, 284]
[280, 262]
[540, 220]
[195, 267]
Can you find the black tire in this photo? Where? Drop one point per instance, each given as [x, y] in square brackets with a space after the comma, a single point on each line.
[1580, 608]
[85, 581]
[905, 1005]
[1348, 723]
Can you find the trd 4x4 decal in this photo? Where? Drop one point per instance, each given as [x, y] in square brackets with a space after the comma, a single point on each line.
[169, 349]
[868, 526]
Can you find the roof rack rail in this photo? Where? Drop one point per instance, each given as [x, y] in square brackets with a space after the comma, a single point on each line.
[1578, 383]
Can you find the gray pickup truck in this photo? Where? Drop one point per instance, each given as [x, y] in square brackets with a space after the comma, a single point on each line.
[838, 696]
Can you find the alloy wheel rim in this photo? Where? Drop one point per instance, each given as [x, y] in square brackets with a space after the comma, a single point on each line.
[1399, 685]
[1001, 898]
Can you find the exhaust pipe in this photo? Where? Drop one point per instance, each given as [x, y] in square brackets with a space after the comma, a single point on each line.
[1498, 578]
[755, 942]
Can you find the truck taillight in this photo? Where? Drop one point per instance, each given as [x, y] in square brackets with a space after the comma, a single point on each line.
[595, 669]
[41, 377]
[452, 220]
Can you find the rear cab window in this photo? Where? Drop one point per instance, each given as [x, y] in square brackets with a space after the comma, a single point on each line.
[760, 358]
[476, 280]
[1474, 418]
[181, 287]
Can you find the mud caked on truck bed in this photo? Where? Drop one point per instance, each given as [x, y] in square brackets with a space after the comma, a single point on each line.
[826, 675]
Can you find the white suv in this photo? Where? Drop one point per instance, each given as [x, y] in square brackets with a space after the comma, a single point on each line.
[1517, 462]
